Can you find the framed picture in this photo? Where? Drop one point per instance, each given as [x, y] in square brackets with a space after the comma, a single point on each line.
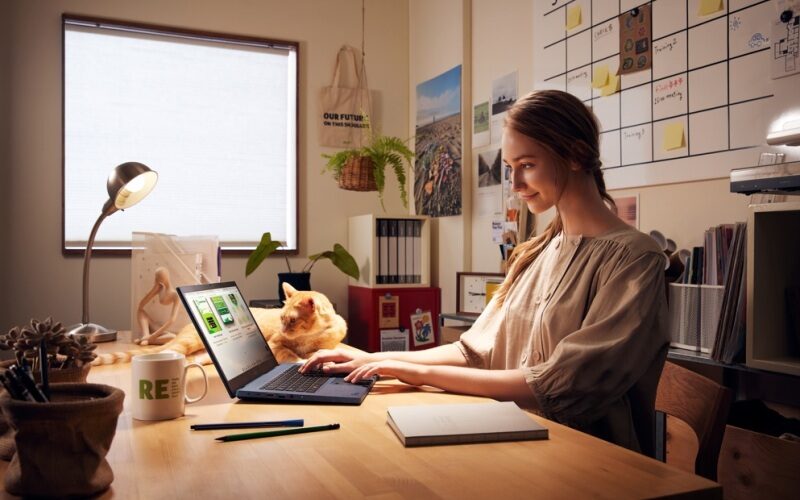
[474, 291]
[422, 328]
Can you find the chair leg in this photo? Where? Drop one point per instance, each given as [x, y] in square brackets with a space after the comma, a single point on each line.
[661, 436]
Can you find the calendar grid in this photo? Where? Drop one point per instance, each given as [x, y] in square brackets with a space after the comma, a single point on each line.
[696, 111]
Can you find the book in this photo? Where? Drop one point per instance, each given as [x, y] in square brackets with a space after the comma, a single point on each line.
[422, 425]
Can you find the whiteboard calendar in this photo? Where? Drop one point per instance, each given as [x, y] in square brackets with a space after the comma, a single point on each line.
[704, 105]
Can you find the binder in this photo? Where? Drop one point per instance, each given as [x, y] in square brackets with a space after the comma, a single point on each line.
[383, 251]
[392, 240]
[410, 251]
[417, 244]
[401, 251]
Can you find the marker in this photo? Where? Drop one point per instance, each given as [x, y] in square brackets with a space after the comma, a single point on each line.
[248, 425]
[284, 432]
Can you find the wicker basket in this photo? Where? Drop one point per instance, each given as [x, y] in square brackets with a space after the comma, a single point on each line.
[357, 174]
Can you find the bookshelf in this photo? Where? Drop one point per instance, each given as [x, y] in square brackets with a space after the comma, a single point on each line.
[382, 260]
[773, 287]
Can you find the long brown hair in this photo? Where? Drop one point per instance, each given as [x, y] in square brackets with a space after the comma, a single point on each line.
[561, 124]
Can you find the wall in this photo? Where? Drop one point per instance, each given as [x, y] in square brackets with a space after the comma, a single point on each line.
[46, 283]
[436, 44]
[5, 132]
[681, 211]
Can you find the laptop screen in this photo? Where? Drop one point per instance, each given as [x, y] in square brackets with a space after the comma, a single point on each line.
[229, 331]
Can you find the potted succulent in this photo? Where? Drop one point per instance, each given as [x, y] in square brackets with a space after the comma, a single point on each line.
[364, 169]
[339, 256]
[68, 357]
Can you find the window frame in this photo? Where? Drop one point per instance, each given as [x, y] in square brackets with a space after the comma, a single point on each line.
[210, 36]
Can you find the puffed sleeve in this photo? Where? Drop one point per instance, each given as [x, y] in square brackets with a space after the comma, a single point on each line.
[621, 335]
[477, 343]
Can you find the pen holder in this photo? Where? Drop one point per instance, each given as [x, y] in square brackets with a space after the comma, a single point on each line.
[61, 445]
[73, 374]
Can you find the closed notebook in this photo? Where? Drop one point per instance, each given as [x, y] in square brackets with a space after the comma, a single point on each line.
[462, 423]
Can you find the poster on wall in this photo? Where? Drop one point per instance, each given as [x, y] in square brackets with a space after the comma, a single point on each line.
[437, 168]
[480, 125]
[504, 95]
[488, 176]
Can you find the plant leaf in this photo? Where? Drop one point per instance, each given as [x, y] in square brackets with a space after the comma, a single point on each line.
[341, 258]
[265, 247]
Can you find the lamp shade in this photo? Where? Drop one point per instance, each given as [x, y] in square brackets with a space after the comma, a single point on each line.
[129, 183]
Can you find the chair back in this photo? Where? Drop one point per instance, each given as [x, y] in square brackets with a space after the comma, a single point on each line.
[703, 405]
[754, 465]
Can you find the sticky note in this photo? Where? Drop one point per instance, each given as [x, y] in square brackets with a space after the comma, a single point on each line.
[709, 7]
[574, 16]
[611, 87]
[673, 137]
[600, 77]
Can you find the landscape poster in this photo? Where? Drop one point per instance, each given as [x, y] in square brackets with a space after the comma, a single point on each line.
[437, 169]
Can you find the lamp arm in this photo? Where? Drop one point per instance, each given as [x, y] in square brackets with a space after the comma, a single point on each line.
[108, 209]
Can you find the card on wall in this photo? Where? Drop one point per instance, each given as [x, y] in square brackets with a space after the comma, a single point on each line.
[422, 328]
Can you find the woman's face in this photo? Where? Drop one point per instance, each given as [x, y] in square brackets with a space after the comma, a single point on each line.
[534, 173]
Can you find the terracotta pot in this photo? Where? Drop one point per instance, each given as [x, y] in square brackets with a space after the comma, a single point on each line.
[62, 445]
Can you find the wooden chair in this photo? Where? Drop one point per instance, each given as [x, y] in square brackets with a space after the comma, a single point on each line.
[753, 465]
[703, 405]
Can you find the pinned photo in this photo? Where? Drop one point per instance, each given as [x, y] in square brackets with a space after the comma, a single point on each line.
[422, 328]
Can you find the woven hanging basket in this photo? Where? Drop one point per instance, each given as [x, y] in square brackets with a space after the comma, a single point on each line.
[357, 174]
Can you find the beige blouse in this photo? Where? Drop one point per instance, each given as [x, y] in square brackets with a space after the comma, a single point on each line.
[587, 323]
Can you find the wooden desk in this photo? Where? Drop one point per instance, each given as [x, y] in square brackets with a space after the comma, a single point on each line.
[364, 458]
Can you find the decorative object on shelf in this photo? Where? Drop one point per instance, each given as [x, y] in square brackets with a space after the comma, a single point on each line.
[127, 185]
[364, 169]
[340, 257]
[61, 445]
[167, 296]
[474, 290]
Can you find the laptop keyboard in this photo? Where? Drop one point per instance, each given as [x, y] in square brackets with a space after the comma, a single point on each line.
[293, 381]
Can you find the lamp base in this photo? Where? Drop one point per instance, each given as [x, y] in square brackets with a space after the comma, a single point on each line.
[95, 332]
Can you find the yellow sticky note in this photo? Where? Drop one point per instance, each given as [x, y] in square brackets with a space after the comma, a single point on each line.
[709, 7]
[600, 77]
[611, 87]
[674, 137]
[573, 16]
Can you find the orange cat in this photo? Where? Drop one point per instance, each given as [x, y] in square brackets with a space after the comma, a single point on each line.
[306, 324]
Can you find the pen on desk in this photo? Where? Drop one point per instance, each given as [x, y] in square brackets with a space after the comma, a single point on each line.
[284, 432]
[248, 425]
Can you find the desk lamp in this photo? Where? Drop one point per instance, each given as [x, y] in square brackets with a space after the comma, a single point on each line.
[127, 185]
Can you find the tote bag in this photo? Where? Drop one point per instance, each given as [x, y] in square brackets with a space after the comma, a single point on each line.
[345, 111]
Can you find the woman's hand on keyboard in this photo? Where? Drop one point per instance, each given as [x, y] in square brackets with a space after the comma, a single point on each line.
[335, 361]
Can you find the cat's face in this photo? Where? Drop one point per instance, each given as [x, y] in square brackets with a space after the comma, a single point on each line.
[300, 309]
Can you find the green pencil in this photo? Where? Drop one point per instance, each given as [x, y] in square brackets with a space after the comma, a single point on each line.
[283, 432]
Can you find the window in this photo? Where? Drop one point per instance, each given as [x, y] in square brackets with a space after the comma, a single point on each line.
[214, 115]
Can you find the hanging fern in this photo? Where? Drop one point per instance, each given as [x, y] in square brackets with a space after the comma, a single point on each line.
[384, 151]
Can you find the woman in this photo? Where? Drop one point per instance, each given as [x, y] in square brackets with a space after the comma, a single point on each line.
[577, 330]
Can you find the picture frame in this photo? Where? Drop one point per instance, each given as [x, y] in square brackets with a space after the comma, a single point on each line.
[473, 291]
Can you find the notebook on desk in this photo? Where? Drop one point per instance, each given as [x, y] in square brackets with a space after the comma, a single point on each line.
[243, 358]
[422, 425]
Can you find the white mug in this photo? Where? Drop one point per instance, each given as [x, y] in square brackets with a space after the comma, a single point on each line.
[159, 385]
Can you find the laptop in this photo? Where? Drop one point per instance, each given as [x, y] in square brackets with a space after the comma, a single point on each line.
[243, 358]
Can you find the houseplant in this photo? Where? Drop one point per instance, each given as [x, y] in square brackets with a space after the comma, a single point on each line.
[364, 169]
[339, 256]
[68, 357]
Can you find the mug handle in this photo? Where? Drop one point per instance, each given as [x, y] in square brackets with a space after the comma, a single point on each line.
[205, 383]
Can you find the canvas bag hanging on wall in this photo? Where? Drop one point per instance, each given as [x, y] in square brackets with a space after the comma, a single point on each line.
[344, 111]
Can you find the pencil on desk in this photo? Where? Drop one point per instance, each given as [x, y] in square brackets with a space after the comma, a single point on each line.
[284, 432]
[248, 425]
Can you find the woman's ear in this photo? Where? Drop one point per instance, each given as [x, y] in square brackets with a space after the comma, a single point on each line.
[575, 166]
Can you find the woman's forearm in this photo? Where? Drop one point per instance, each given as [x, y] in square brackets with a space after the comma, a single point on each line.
[447, 354]
[504, 385]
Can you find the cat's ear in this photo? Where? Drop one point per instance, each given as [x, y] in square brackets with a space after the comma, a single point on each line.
[288, 289]
[308, 302]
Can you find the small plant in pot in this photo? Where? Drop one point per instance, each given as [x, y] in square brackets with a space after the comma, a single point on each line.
[339, 256]
[68, 357]
[364, 169]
